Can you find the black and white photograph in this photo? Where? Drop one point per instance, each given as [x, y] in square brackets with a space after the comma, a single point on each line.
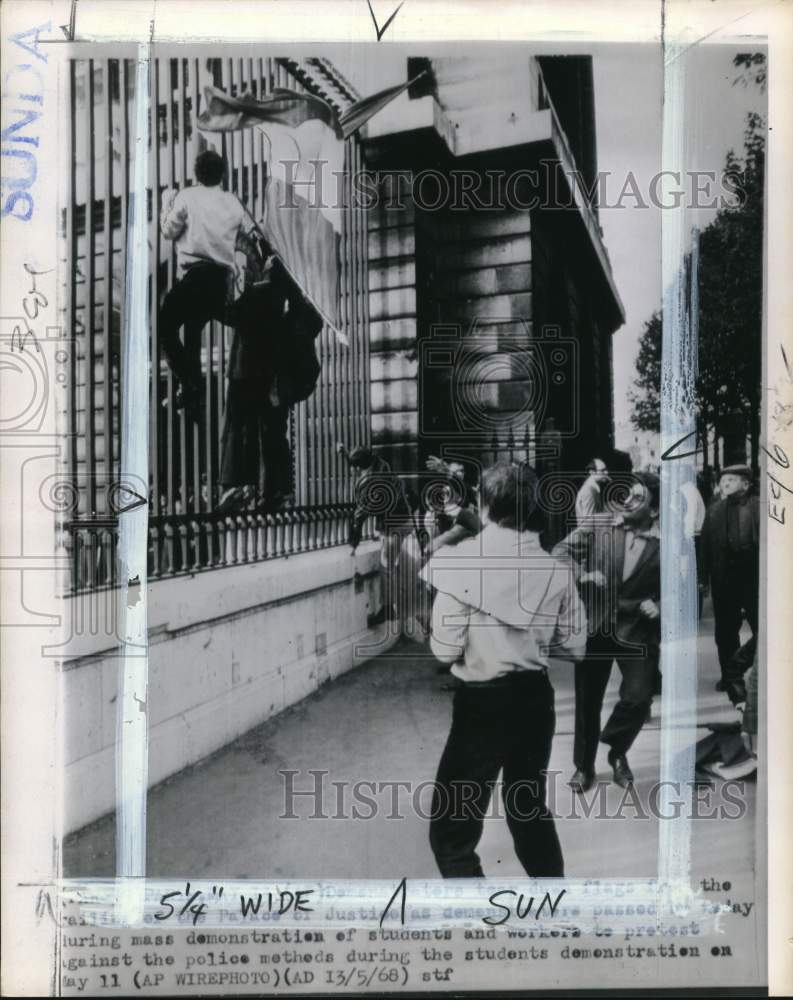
[412, 504]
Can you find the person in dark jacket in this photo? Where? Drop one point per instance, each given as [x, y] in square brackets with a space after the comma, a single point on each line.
[379, 493]
[272, 366]
[730, 563]
[618, 568]
[452, 518]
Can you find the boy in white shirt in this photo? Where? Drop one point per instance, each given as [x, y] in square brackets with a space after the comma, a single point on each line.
[207, 224]
[504, 610]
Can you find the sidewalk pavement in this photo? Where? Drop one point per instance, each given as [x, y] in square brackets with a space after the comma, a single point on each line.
[387, 721]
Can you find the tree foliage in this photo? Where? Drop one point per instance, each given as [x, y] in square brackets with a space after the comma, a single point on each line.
[730, 288]
[753, 69]
[646, 414]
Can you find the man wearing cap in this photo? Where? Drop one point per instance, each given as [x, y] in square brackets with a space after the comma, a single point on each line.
[730, 553]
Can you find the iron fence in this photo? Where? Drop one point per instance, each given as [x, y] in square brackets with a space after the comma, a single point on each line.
[187, 533]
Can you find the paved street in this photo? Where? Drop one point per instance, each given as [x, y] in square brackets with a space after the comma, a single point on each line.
[387, 721]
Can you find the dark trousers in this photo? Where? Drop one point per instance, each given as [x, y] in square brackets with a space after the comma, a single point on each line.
[254, 446]
[639, 679]
[735, 597]
[192, 302]
[505, 724]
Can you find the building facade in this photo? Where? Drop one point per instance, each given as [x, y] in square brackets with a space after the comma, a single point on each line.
[492, 302]
[475, 329]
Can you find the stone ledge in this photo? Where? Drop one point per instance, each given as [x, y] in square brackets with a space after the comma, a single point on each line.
[181, 602]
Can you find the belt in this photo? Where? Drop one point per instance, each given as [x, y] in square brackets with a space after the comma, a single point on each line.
[513, 677]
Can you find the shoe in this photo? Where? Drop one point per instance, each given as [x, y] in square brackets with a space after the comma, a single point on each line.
[378, 618]
[732, 772]
[582, 781]
[231, 500]
[276, 502]
[736, 692]
[623, 776]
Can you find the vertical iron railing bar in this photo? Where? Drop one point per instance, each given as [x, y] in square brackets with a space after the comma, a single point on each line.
[362, 379]
[156, 437]
[90, 294]
[71, 306]
[108, 280]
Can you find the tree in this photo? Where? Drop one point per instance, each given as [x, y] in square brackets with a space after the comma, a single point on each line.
[731, 297]
[730, 287]
[646, 415]
[753, 66]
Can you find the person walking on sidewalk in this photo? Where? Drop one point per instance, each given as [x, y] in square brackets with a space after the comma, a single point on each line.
[618, 567]
[207, 225]
[503, 609]
[730, 563]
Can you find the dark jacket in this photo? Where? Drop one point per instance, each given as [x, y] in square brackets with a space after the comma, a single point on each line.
[275, 329]
[614, 607]
[716, 558]
[379, 493]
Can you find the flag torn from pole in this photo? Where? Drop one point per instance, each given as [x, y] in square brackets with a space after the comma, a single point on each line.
[305, 155]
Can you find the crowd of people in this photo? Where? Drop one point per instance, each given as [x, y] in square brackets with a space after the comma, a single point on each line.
[463, 566]
[496, 609]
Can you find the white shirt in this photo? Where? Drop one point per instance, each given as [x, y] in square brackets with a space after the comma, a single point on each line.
[695, 510]
[205, 222]
[503, 604]
[589, 500]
